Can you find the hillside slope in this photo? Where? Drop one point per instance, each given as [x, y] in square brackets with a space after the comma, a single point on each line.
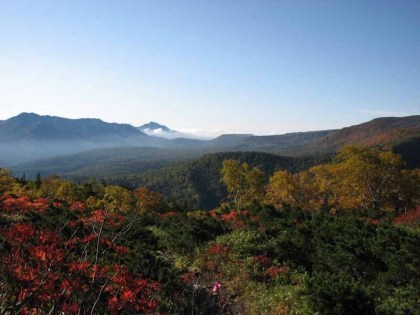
[100, 163]
[386, 131]
[196, 184]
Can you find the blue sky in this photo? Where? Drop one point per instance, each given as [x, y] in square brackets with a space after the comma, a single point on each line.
[215, 66]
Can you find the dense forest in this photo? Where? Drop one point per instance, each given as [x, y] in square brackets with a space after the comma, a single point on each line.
[329, 235]
[197, 184]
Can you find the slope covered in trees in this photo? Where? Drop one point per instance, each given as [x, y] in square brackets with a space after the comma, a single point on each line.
[384, 132]
[99, 163]
[197, 184]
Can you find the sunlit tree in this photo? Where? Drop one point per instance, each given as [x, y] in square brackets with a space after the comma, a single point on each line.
[118, 199]
[244, 184]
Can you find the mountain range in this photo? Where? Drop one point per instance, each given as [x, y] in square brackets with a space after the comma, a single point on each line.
[28, 137]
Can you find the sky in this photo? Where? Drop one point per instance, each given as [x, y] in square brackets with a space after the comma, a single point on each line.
[212, 67]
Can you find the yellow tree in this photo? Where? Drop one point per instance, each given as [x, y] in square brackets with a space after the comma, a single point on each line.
[283, 188]
[318, 186]
[9, 185]
[50, 186]
[68, 191]
[118, 199]
[244, 184]
[367, 177]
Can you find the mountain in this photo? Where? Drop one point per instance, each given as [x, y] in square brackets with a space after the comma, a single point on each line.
[154, 129]
[29, 136]
[30, 126]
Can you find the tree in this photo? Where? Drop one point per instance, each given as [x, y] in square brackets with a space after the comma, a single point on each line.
[244, 184]
[6, 181]
[359, 178]
[118, 199]
[69, 192]
[147, 200]
[283, 188]
[38, 181]
[318, 186]
[367, 177]
[50, 186]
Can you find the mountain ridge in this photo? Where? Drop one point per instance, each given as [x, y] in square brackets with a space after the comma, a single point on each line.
[29, 136]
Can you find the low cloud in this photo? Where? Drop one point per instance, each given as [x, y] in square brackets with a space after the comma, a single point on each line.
[197, 133]
[161, 133]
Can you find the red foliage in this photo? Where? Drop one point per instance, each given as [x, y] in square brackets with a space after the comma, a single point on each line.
[57, 205]
[219, 249]
[99, 217]
[167, 214]
[374, 221]
[13, 205]
[188, 277]
[45, 268]
[237, 219]
[263, 261]
[213, 214]
[275, 271]
[78, 206]
[411, 218]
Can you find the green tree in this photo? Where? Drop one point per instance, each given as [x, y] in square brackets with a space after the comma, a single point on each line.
[38, 181]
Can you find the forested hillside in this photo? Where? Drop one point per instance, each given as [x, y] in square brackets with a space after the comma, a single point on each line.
[385, 132]
[102, 163]
[196, 184]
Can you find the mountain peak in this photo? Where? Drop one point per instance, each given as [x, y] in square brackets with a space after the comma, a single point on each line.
[26, 115]
[154, 126]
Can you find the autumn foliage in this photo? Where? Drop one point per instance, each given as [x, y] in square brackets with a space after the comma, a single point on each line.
[336, 238]
[67, 270]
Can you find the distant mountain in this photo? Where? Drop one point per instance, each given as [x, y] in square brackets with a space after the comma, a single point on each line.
[154, 129]
[29, 136]
[154, 126]
[30, 126]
